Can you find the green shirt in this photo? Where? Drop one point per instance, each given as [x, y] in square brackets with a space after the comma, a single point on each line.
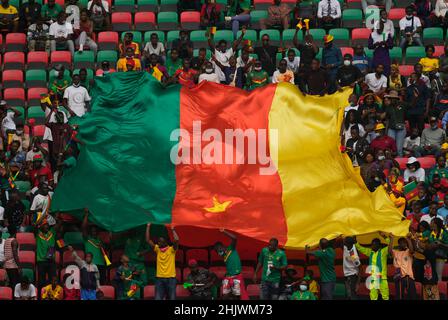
[93, 245]
[47, 12]
[443, 237]
[125, 285]
[59, 85]
[45, 242]
[268, 258]
[173, 66]
[243, 4]
[326, 264]
[303, 295]
[133, 246]
[232, 261]
[256, 79]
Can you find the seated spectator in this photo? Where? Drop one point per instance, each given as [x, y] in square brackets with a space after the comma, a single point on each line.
[356, 146]
[221, 54]
[418, 98]
[388, 25]
[105, 69]
[29, 13]
[293, 63]
[154, 46]
[233, 73]
[431, 139]
[441, 104]
[303, 293]
[316, 81]
[60, 82]
[361, 60]
[278, 16]
[282, 74]
[382, 141]
[421, 78]
[395, 115]
[99, 13]
[348, 74]
[308, 51]
[186, 76]
[53, 291]
[60, 132]
[239, 13]
[36, 149]
[197, 63]
[440, 169]
[423, 10]
[329, 14]
[432, 214]
[129, 62]
[429, 63]
[208, 74]
[376, 81]
[38, 37]
[396, 81]
[9, 17]
[73, 13]
[85, 33]
[411, 143]
[386, 4]
[288, 283]
[381, 43]
[173, 62]
[50, 11]
[204, 283]
[211, 14]
[157, 70]
[129, 43]
[331, 61]
[267, 54]
[25, 290]
[440, 13]
[183, 45]
[257, 77]
[76, 98]
[188, 5]
[410, 29]
[61, 35]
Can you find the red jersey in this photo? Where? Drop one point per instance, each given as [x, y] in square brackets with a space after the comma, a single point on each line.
[186, 78]
[43, 171]
[383, 143]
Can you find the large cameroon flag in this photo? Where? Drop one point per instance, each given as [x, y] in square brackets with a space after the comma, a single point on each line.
[132, 168]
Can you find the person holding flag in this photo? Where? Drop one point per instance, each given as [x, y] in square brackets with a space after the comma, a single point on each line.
[128, 280]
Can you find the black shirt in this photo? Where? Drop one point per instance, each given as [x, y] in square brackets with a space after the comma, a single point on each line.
[315, 82]
[14, 213]
[267, 56]
[307, 54]
[346, 75]
[31, 11]
[197, 64]
[182, 47]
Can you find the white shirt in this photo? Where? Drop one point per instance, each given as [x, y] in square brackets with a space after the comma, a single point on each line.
[241, 64]
[157, 50]
[61, 30]
[441, 8]
[428, 218]
[408, 23]
[40, 204]
[350, 262]
[409, 143]
[2, 213]
[8, 122]
[418, 174]
[424, 79]
[212, 77]
[223, 58]
[388, 27]
[19, 293]
[348, 132]
[76, 99]
[374, 83]
[379, 37]
[2, 250]
[293, 65]
[52, 119]
[277, 74]
[97, 9]
[72, 12]
[335, 9]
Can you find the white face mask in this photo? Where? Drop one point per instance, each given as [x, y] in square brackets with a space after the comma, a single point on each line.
[76, 85]
[209, 71]
[347, 62]
[257, 68]
[57, 73]
[303, 287]
[409, 17]
[19, 133]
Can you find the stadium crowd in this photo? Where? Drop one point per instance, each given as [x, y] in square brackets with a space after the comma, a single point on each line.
[394, 131]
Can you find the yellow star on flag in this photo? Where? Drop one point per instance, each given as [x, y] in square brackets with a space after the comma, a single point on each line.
[218, 206]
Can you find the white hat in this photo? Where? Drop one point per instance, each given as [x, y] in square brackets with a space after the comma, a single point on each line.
[412, 160]
[3, 103]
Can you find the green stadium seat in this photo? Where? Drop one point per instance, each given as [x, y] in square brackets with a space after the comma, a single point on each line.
[224, 35]
[167, 20]
[36, 78]
[354, 4]
[124, 5]
[107, 55]
[250, 35]
[274, 36]
[74, 239]
[433, 36]
[396, 54]
[262, 4]
[147, 36]
[352, 18]
[168, 5]
[318, 36]
[288, 36]
[36, 113]
[15, 3]
[171, 36]
[82, 4]
[319, 54]
[256, 16]
[199, 38]
[136, 34]
[147, 5]
[414, 54]
[90, 73]
[369, 52]
[84, 59]
[341, 37]
[27, 204]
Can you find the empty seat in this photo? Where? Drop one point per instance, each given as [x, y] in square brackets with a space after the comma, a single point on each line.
[253, 290]
[190, 20]
[5, 293]
[15, 42]
[395, 14]
[341, 37]
[414, 54]
[13, 60]
[37, 60]
[26, 241]
[39, 131]
[256, 16]
[352, 18]
[199, 39]
[61, 57]
[433, 36]
[360, 36]
[147, 5]
[427, 162]
[124, 5]
[107, 55]
[145, 21]
[36, 78]
[85, 59]
[108, 40]
[149, 292]
[27, 259]
[15, 97]
[12, 79]
[121, 21]
[108, 291]
[167, 20]
[34, 94]
[406, 70]
[168, 5]
[274, 36]
[181, 292]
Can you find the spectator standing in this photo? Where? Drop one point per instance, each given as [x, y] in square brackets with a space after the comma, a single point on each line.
[350, 266]
[183, 45]
[76, 98]
[89, 277]
[418, 97]
[99, 13]
[396, 116]
[11, 262]
[267, 54]
[381, 42]
[316, 81]
[29, 14]
[308, 51]
[282, 74]
[331, 60]
[348, 74]
[45, 254]
[438, 241]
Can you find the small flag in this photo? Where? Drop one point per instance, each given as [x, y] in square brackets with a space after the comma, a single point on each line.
[300, 25]
[411, 191]
[212, 30]
[60, 243]
[106, 258]
[132, 290]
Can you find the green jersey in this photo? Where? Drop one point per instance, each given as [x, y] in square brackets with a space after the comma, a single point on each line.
[47, 12]
[270, 259]
[256, 79]
[232, 261]
[326, 264]
[45, 246]
[303, 295]
[172, 66]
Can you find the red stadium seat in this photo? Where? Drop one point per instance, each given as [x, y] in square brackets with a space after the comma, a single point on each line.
[121, 21]
[108, 40]
[439, 50]
[2, 276]
[67, 257]
[108, 291]
[427, 162]
[296, 256]
[14, 60]
[219, 271]
[39, 131]
[14, 96]
[5, 293]
[145, 21]
[190, 20]
[12, 79]
[442, 290]
[247, 272]
[406, 70]
[181, 292]
[363, 291]
[392, 292]
[262, 4]
[116, 256]
[180, 257]
[15, 42]
[402, 162]
[395, 14]
[149, 292]
[26, 240]
[339, 271]
[27, 259]
[37, 60]
[100, 72]
[316, 271]
[346, 50]
[360, 36]
[179, 275]
[419, 289]
[200, 255]
[33, 95]
[253, 290]
[61, 57]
